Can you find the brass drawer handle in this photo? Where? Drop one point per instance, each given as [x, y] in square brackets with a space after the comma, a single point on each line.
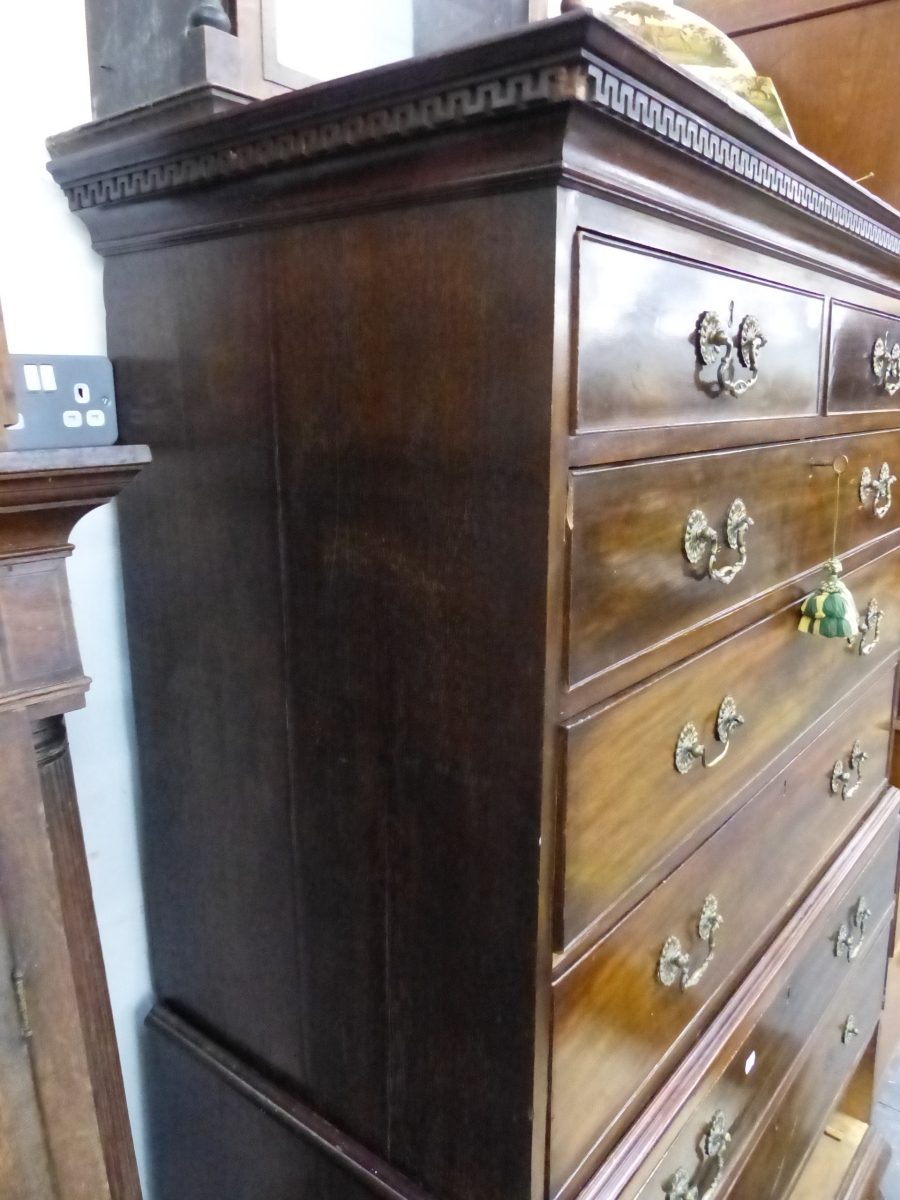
[849, 1030]
[886, 364]
[878, 486]
[843, 939]
[869, 624]
[699, 536]
[689, 748]
[714, 343]
[713, 1144]
[840, 778]
[674, 964]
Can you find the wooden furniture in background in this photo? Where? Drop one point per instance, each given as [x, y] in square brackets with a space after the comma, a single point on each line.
[64, 1131]
[446, 898]
[8, 413]
[833, 66]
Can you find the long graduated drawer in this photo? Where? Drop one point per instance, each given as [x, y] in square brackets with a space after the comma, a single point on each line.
[632, 584]
[744, 1064]
[640, 318]
[628, 816]
[626, 1011]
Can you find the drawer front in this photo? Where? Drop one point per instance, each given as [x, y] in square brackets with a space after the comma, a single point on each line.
[618, 1028]
[632, 582]
[865, 373]
[639, 355]
[628, 816]
[766, 1148]
[831, 1058]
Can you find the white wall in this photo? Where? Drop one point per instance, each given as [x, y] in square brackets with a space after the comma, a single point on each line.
[51, 294]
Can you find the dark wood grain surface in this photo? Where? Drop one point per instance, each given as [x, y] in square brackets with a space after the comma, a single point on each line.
[33, 903]
[632, 585]
[60, 812]
[853, 128]
[26, 1171]
[782, 684]
[408, 564]
[347, 322]
[65, 1130]
[638, 361]
[201, 564]
[853, 385]
[627, 1168]
[737, 17]
[416, 584]
[210, 1142]
[266, 1094]
[824, 1070]
[616, 1029]
[769, 1145]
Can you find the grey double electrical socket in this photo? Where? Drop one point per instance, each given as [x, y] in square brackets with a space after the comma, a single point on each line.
[62, 400]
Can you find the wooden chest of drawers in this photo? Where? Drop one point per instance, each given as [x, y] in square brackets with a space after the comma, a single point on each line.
[505, 837]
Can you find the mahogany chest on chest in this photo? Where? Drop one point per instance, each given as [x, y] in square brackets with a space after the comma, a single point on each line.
[505, 836]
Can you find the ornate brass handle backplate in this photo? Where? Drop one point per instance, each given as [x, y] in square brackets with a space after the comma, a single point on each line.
[705, 1180]
[844, 938]
[715, 345]
[878, 486]
[870, 624]
[886, 364]
[700, 538]
[674, 964]
[689, 749]
[841, 779]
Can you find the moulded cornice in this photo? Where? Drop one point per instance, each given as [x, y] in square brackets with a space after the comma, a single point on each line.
[575, 60]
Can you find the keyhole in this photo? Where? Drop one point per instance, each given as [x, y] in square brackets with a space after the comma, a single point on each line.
[731, 314]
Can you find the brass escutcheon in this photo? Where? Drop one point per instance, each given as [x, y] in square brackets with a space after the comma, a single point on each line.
[714, 344]
[849, 1030]
[840, 778]
[700, 538]
[674, 964]
[689, 748]
[711, 1152]
[843, 939]
[886, 364]
[878, 486]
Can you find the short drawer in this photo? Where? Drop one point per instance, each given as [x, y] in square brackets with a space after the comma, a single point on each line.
[640, 325]
[628, 816]
[649, 552]
[766, 1148]
[630, 1008]
[602, 1075]
[864, 373]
